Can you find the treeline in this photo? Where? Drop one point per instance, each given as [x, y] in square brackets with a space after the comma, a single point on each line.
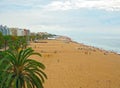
[13, 42]
[8, 40]
[43, 36]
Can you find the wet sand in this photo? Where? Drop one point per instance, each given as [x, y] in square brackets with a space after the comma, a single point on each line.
[73, 65]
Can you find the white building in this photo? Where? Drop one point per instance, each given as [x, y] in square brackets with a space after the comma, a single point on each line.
[20, 32]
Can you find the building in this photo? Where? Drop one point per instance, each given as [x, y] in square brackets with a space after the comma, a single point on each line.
[1, 28]
[26, 32]
[5, 30]
[13, 31]
[42, 33]
[20, 32]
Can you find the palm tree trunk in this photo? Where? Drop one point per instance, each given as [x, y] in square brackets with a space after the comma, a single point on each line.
[5, 45]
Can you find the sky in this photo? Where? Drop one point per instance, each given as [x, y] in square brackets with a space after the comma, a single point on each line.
[67, 17]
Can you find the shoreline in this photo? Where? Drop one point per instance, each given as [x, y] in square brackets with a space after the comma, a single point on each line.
[111, 51]
[67, 40]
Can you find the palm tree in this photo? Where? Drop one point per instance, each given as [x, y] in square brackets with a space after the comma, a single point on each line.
[23, 41]
[1, 40]
[21, 72]
[6, 39]
[17, 43]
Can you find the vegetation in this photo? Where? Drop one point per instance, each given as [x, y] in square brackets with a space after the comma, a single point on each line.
[21, 72]
[6, 40]
[1, 40]
[13, 42]
[17, 43]
[16, 69]
[41, 36]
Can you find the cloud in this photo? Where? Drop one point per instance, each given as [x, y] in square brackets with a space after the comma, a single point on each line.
[48, 28]
[38, 18]
[109, 5]
[20, 5]
[54, 5]
[36, 21]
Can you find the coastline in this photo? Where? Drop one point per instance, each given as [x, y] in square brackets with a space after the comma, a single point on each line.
[92, 46]
[105, 44]
[100, 48]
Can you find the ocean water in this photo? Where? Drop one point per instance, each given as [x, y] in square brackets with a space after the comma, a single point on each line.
[106, 42]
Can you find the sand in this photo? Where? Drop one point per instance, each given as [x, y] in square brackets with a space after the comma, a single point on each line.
[73, 65]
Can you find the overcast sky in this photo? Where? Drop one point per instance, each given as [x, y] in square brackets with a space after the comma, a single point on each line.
[62, 16]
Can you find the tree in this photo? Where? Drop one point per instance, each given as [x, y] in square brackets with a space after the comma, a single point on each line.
[1, 40]
[14, 44]
[32, 37]
[17, 42]
[21, 72]
[23, 42]
[6, 39]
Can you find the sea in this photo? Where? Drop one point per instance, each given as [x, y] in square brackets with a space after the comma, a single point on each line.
[107, 42]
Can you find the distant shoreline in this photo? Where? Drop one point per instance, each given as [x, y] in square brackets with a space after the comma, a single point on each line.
[110, 51]
[69, 39]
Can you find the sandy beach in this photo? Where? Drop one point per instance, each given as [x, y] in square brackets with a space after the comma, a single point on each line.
[74, 65]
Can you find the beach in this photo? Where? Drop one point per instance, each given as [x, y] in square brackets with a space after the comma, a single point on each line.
[73, 65]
